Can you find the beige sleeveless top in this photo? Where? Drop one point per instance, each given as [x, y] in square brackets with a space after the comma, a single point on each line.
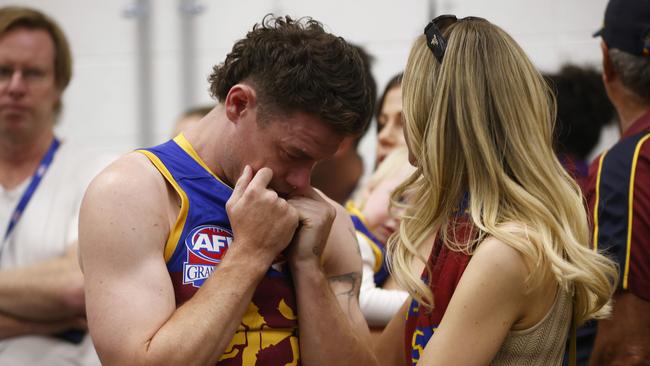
[542, 344]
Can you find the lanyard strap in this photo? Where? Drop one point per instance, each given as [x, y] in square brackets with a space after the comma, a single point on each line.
[31, 188]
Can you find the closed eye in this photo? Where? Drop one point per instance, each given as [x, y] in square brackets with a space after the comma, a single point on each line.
[295, 154]
[6, 72]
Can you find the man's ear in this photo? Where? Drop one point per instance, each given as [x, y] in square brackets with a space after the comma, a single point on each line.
[346, 144]
[608, 69]
[241, 99]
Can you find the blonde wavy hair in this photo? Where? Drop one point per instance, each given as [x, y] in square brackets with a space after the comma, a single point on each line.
[480, 125]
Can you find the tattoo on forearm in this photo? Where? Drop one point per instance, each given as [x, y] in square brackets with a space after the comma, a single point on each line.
[352, 282]
[316, 250]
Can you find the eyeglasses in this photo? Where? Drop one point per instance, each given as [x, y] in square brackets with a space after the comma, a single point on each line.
[436, 42]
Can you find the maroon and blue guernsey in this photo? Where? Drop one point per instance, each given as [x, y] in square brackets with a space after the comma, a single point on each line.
[268, 333]
[618, 195]
[447, 267]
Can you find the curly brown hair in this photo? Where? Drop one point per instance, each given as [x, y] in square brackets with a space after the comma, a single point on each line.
[295, 66]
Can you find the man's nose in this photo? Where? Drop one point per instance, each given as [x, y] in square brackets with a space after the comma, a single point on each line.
[386, 135]
[16, 85]
[300, 178]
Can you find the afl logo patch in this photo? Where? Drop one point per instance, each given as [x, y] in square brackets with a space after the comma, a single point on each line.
[209, 242]
[206, 246]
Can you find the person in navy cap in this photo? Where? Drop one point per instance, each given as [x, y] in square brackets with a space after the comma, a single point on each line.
[618, 191]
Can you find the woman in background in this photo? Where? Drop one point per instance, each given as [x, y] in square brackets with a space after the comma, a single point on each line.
[390, 127]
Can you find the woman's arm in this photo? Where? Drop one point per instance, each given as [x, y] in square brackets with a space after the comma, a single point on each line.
[489, 300]
[389, 349]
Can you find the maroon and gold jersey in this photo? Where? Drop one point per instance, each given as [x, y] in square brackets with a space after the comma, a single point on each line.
[268, 333]
[618, 197]
[447, 267]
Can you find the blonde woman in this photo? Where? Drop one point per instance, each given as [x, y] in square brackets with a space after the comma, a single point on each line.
[510, 266]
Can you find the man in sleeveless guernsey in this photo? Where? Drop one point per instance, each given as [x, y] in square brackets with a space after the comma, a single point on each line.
[213, 248]
[42, 181]
[618, 192]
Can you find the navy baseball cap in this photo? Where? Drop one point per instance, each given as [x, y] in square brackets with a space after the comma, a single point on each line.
[627, 26]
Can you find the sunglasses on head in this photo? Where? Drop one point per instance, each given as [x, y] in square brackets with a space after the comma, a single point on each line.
[433, 31]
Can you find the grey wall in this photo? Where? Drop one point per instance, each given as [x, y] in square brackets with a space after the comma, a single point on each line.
[101, 104]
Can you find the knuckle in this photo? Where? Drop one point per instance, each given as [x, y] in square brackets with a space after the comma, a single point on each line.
[250, 193]
[231, 206]
[270, 196]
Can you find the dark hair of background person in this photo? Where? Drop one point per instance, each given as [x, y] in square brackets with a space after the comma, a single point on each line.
[634, 71]
[395, 81]
[295, 66]
[583, 109]
[367, 60]
[12, 17]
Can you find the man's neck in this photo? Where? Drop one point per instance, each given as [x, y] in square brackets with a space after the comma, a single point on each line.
[19, 159]
[628, 106]
[202, 138]
[627, 116]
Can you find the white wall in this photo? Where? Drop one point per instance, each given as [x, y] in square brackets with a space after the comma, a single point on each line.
[101, 104]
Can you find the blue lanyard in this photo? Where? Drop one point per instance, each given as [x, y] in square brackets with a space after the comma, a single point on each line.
[29, 192]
